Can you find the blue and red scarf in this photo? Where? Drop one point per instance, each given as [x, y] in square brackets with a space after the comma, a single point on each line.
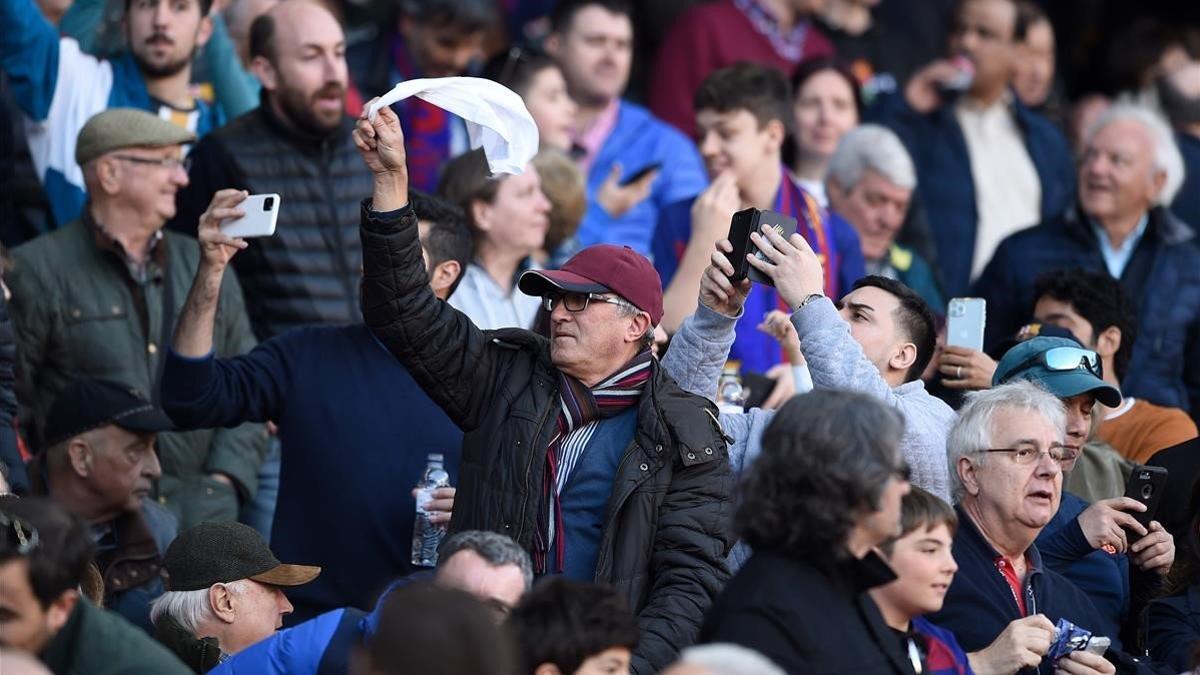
[426, 126]
[579, 406]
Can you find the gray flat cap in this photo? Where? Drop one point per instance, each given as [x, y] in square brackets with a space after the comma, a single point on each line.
[118, 128]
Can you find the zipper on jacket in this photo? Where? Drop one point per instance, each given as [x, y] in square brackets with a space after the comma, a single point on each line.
[533, 450]
[606, 541]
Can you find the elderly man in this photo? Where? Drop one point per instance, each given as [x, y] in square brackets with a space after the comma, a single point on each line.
[1091, 545]
[988, 166]
[44, 555]
[580, 446]
[489, 566]
[879, 342]
[101, 464]
[1006, 451]
[1120, 226]
[226, 593]
[870, 183]
[100, 296]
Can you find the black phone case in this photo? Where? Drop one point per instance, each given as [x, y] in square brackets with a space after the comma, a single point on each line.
[1146, 485]
[743, 223]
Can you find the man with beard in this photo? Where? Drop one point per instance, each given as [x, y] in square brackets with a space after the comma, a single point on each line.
[295, 144]
[59, 87]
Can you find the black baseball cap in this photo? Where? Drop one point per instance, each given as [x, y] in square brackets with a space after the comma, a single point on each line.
[90, 403]
[220, 553]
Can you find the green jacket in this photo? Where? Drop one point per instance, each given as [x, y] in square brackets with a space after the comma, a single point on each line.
[79, 309]
[98, 642]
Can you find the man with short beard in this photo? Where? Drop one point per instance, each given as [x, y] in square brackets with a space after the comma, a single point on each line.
[295, 144]
[59, 87]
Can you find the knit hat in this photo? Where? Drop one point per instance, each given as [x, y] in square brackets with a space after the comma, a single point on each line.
[118, 128]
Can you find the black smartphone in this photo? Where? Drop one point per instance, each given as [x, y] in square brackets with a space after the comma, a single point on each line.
[640, 173]
[740, 227]
[1146, 484]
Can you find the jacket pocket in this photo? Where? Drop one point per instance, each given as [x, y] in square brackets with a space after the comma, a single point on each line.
[98, 335]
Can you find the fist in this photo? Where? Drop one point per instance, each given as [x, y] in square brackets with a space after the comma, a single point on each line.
[380, 141]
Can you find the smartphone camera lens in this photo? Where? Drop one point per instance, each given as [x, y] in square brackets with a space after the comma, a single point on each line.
[1147, 491]
[268, 203]
[957, 310]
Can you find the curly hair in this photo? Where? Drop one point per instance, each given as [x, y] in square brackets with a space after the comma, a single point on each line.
[1100, 300]
[566, 622]
[826, 458]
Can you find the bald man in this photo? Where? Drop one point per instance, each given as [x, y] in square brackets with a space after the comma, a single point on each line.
[296, 144]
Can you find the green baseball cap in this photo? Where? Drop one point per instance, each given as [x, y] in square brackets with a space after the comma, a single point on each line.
[1060, 366]
[118, 128]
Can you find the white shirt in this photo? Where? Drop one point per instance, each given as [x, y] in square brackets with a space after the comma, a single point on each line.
[1008, 192]
[1115, 259]
[816, 188]
[489, 306]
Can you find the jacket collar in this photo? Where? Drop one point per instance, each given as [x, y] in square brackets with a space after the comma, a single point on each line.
[1163, 226]
[971, 536]
[136, 559]
[199, 654]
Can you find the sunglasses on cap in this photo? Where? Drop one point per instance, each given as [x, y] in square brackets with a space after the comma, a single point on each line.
[18, 534]
[1064, 359]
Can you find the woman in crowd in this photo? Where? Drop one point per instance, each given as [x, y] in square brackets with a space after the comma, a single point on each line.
[825, 491]
[538, 81]
[508, 216]
[827, 103]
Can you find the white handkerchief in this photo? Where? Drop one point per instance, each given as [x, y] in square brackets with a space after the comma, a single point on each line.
[496, 117]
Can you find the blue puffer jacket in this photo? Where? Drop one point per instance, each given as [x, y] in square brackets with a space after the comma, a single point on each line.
[945, 184]
[1165, 368]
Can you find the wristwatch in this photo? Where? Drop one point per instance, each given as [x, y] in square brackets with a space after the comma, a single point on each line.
[807, 299]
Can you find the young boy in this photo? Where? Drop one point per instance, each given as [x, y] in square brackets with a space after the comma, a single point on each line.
[566, 627]
[743, 118]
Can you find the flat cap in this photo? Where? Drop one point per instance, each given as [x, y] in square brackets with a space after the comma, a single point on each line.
[118, 128]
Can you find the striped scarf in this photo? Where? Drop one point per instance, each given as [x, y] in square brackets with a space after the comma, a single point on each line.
[579, 407]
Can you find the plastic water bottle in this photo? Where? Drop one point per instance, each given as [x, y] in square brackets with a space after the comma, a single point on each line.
[427, 536]
[731, 395]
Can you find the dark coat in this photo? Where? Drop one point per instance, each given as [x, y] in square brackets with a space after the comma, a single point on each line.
[98, 642]
[1173, 629]
[1165, 368]
[308, 271]
[946, 187]
[808, 616]
[667, 531]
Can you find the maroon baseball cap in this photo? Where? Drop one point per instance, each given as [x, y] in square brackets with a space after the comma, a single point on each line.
[602, 268]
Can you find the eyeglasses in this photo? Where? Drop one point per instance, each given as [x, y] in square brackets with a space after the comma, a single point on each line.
[1065, 359]
[19, 534]
[1024, 454]
[168, 163]
[577, 302]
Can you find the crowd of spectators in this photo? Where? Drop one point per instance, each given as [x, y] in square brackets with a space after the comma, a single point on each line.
[210, 444]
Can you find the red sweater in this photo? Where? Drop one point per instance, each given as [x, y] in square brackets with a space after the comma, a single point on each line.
[707, 37]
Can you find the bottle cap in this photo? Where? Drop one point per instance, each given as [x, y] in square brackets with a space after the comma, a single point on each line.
[436, 457]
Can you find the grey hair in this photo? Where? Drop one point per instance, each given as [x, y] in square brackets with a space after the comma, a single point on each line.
[191, 609]
[497, 549]
[1166, 153]
[629, 309]
[974, 430]
[724, 658]
[871, 146]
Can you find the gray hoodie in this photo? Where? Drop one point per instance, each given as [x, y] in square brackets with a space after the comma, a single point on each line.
[699, 350]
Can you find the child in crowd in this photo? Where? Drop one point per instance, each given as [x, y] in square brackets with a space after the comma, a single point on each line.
[566, 627]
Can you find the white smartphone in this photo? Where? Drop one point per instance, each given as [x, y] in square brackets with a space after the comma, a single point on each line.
[965, 320]
[261, 213]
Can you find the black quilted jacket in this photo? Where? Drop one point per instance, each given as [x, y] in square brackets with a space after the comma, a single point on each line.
[308, 272]
[667, 530]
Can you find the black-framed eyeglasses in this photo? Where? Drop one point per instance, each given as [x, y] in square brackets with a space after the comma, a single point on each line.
[168, 163]
[1064, 360]
[19, 534]
[577, 302]
[1024, 454]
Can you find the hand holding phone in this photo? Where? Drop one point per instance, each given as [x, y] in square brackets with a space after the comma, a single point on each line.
[965, 321]
[741, 226]
[1146, 485]
[640, 173]
[262, 212]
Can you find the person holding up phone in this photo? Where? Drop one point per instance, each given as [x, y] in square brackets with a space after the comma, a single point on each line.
[1101, 547]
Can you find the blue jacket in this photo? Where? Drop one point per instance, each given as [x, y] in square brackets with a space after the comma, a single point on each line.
[1102, 576]
[980, 603]
[355, 431]
[59, 86]
[639, 140]
[945, 184]
[319, 646]
[1174, 629]
[1165, 368]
